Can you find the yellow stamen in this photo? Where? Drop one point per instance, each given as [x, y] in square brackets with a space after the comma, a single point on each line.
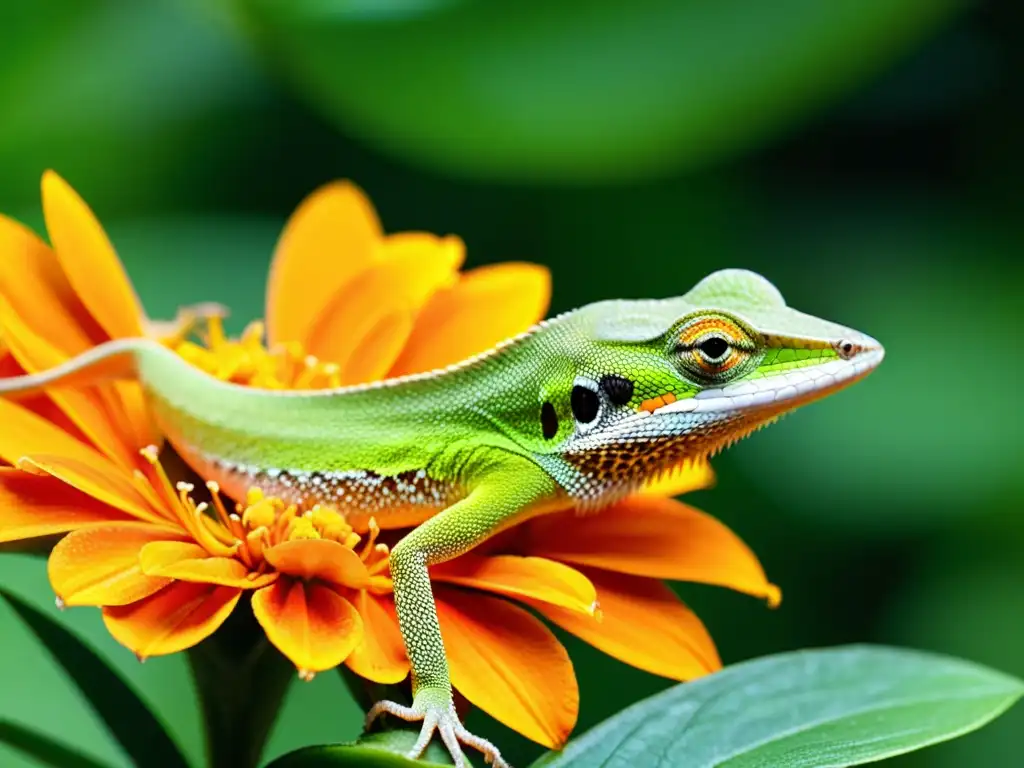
[374, 532]
[254, 542]
[303, 528]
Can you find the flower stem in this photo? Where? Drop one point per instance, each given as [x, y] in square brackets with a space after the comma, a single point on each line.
[241, 679]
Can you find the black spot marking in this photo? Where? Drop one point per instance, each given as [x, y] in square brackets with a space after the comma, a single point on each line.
[585, 404]
[548, 420]
[618, 389]
[714, 348]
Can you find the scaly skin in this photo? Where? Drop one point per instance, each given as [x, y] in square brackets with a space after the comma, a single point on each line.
[579, 411]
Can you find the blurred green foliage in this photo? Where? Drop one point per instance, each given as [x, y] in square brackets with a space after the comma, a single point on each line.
[864, 156]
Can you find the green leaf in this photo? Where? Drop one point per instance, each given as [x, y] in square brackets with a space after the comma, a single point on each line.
[385, 749]
[42, 749]
[130, 721]
[583, 89]
[821, 708]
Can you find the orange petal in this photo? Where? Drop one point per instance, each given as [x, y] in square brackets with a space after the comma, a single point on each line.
[138, 426]
[88, 259]
[644, 624]
[321, 559]
[395, 286]
[177, 617]
[99, 565]
[372, 357]
[652, 536]
[686, 478]
[332, 236]
[487, 305]
[104, 483]
[510, 665]
[311, 624]
[32, 506]
[521, 577]
[83, 407]
[380, 655]
[32, 280]
[187, 561]
[25, 433]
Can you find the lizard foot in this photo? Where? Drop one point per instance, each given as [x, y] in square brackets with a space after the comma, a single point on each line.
[437, 712]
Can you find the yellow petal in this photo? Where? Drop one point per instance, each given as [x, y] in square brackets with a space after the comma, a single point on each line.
[510, 665]
[644, 624]
[486, 306]
[32, 506]
[99, 565]
[395, 286]
[321, 559]
[332, 236]
[34, 284]
[409, 247]
[187, 561]
[88, 259]
[177, 617]
[380, 655]
[521, 577]
[652, 536]
[310, 623]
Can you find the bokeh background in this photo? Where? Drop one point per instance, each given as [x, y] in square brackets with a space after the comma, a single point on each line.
[865, 155]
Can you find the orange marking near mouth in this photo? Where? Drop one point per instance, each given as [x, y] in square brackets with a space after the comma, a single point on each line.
[657, 402]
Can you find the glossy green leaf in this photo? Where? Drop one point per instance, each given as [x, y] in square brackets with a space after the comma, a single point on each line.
[820, 708]
[583, 89]
[385, 749]
[130, 721]
[42, 749]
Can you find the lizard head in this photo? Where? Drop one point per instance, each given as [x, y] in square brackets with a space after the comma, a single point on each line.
[662, 382]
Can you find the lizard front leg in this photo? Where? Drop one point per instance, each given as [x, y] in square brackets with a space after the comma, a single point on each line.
[511, 487]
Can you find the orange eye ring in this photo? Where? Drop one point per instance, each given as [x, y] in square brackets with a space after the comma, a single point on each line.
[713, 345]
[718, 364]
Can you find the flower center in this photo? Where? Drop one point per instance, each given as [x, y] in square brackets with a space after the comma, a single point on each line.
[247, 360]
[263, 522]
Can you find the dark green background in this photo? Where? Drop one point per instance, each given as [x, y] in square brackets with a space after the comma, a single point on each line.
[865, 156]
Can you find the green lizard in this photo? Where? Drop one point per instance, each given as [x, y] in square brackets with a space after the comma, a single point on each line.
[578, 411]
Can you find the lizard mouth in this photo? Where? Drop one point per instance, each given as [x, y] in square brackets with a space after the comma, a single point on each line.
[783, 391]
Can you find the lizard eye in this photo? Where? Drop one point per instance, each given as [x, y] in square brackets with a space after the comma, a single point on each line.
[714, 348]
[711, 346]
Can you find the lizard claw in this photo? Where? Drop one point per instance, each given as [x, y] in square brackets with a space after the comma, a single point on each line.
[437, 712]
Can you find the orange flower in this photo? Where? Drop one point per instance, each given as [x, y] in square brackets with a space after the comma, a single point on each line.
[345, 304]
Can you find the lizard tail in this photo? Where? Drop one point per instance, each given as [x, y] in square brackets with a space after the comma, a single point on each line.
[113, 360]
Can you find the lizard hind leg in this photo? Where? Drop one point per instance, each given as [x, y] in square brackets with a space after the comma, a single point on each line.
[440, 717]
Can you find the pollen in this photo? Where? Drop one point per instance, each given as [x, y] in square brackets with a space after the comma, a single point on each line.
[247, 360]
[246, 530]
